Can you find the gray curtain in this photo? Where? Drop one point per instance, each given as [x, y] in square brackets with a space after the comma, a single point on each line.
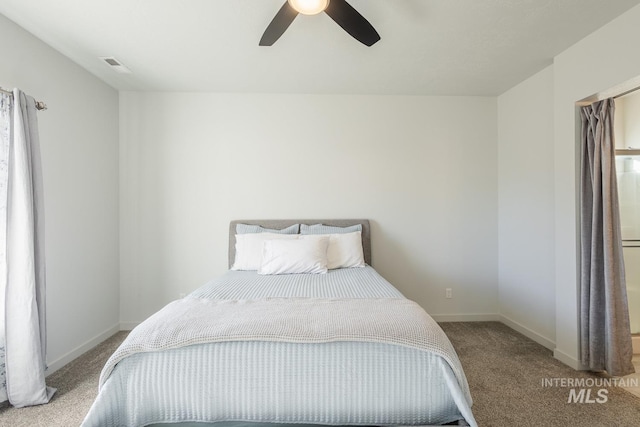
[22, 280]
[604, 313]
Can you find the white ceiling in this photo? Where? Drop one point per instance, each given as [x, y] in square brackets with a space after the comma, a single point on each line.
[428, 47]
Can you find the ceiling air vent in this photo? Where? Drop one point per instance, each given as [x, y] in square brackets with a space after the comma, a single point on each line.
[115, 65]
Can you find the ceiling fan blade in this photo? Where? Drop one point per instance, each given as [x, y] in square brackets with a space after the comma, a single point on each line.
[352, 22]
[278, 25]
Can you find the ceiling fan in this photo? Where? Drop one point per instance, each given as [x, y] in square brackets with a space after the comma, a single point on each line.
[339, 10]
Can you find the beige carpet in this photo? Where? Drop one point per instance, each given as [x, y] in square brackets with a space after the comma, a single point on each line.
[505, 372]
[77, 385]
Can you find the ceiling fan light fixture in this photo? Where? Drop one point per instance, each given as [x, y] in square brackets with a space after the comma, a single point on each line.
[309, 7]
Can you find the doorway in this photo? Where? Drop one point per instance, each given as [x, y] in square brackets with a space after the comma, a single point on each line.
[627, 138]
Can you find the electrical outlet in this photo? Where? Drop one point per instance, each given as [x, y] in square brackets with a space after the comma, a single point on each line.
[448, 293]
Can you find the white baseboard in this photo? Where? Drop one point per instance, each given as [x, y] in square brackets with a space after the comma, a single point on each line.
[128, 326]
[635, 342]
[570, 361]
[542, 340]
[481, 317]
[81, 349]
[495, 317]
[529, 333]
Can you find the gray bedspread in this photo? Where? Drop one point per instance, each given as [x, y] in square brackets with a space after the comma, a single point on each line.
[280, 350]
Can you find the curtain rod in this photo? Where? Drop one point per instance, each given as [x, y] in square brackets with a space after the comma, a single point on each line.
[39, 104]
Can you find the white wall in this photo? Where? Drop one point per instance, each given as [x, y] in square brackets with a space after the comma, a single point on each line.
[423, 169]
[619, 123]
[526, 207]
[192, 162]
[631, 121]
[598, 62]
[79, 144]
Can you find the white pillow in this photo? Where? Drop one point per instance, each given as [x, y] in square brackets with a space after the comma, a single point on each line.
[345, 250]
[249, 249]
[295, 256]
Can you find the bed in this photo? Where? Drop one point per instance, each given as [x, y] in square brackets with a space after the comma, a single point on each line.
[258, 347]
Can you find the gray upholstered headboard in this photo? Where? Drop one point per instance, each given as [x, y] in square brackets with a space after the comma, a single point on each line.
[283, 223]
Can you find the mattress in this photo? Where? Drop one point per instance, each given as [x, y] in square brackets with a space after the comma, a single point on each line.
[261, 381]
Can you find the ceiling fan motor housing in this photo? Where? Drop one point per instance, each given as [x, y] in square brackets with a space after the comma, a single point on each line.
[309, 7]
